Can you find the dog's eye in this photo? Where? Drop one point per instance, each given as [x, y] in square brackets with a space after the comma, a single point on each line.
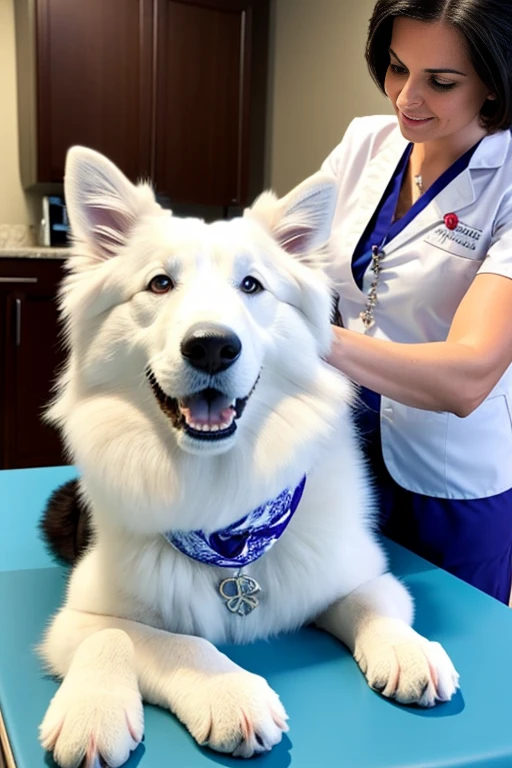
[251, 285]
[160, 284]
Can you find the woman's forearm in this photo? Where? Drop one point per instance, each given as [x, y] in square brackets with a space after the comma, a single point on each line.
[436, 376]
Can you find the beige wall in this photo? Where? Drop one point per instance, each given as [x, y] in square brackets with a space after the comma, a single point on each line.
[319, 82]
[13, 206]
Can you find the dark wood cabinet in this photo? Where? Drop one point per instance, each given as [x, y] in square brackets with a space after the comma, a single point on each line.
[202, 75]
[93, 82]
[31, 351]
[173, 90]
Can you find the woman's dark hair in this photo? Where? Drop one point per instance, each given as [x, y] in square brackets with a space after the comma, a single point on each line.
[486, 26]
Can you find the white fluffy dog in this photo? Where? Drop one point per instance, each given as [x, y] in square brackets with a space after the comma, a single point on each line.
[227, 495]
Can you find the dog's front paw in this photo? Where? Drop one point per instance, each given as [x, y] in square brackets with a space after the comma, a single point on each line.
[87, 724]
[401, 664]
[96, 715]
[235, 712]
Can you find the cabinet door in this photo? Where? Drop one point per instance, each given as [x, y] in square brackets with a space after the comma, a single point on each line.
[33, 351]
[202, 100]
[94, 62]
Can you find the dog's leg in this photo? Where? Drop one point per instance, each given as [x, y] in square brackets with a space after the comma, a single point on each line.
[222, 705]
[374, 623]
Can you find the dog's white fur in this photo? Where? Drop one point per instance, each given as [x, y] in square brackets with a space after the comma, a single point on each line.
[140, 618]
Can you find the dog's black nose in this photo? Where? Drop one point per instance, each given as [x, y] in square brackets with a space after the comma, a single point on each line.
[211, 348]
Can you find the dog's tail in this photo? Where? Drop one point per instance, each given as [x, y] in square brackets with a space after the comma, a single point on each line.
[65, 525]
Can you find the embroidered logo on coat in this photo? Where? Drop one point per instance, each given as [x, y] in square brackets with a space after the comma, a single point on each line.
[461, 235]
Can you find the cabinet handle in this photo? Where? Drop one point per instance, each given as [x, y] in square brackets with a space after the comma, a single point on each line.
[18, 279]
[18, 322]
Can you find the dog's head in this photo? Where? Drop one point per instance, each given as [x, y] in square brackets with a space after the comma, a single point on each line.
[192, 315]
[189, 338]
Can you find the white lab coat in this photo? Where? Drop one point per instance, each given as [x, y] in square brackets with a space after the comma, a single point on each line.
[426, 270]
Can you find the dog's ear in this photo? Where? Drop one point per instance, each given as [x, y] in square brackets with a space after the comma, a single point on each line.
[102, 204]
[301, 221]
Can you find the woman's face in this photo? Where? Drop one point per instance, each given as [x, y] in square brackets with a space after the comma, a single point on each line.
[431, 83]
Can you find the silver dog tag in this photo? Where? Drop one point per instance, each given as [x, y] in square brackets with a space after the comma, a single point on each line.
[239, 592]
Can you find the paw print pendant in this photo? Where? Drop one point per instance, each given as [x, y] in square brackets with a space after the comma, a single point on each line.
[239, 592]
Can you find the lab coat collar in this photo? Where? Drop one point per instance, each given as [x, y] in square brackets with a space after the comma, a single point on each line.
[457, 195]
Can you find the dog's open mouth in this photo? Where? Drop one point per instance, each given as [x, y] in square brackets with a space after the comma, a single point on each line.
[205, 415]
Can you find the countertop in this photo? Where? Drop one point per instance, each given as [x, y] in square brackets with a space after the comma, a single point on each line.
[35, 252]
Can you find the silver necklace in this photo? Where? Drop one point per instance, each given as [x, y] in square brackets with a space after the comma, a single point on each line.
[418, 180]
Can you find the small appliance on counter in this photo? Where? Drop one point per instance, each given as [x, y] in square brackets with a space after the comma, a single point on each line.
[54, 227]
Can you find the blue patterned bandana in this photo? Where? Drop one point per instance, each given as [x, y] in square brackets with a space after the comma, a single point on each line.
[244, 541]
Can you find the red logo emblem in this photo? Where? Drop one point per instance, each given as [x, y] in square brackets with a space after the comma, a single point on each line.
[451, 220]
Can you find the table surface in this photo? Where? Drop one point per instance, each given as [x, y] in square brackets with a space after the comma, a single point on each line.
[335, 719]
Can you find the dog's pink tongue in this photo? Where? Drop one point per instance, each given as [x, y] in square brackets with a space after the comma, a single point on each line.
[202, 411]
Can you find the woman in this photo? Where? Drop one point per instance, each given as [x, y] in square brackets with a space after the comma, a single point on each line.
[422, 243]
